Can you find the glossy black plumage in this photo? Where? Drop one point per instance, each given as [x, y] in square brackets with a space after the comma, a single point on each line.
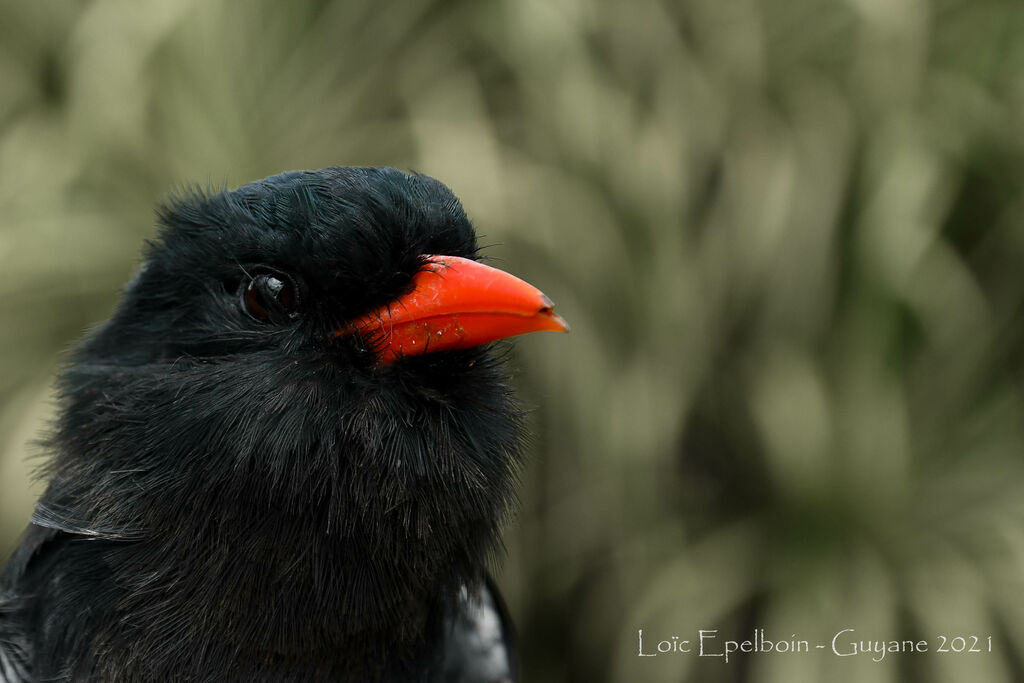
[233, 498]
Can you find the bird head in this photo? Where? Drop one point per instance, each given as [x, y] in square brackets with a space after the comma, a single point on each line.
[301, 369]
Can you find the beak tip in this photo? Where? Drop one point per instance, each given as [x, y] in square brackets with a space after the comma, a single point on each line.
[547, 310]
[559, 320]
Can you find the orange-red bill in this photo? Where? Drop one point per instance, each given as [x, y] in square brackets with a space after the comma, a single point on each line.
[457, 303]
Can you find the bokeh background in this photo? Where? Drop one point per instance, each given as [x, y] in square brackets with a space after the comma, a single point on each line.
[789, 235]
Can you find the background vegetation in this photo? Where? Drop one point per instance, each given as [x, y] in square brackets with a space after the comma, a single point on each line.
[789, 235]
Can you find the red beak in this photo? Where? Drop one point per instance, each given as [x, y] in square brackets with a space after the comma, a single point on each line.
[457, 303]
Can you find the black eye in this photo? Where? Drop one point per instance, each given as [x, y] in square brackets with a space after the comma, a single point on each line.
[271, 296]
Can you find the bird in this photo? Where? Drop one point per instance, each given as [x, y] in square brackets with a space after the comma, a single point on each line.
[289, 453]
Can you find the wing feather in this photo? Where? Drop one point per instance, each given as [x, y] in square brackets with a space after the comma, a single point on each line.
[15, 640]
[480, 642]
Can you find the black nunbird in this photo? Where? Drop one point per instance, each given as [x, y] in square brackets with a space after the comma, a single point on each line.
[289, 453]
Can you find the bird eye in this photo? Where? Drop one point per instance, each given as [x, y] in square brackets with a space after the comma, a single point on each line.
[271, 296]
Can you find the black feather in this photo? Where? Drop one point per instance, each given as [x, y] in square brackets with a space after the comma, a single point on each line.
[232, 499]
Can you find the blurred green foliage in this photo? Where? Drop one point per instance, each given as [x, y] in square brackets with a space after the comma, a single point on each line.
[789, 235]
